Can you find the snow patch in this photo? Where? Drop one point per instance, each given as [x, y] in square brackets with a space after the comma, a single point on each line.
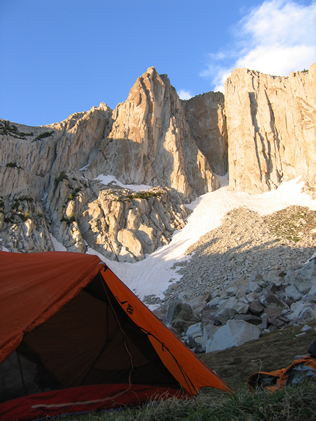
[152, 275]
[84, 168]
[56, 244]
[107, 179]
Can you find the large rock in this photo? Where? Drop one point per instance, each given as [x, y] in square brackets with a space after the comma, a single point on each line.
[271, 128]
[150, 141]
[145, 140]
[206, 118]
[234, 333]
[30, 157]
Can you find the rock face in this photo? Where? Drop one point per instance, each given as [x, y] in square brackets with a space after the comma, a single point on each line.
[267, 126]
[252, 269]
[150, 141]
[30, 157]
[246, 309]
[271, 125]
[47, 176]
[206, 118]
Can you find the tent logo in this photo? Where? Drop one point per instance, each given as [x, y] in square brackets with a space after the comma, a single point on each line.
[129, 308]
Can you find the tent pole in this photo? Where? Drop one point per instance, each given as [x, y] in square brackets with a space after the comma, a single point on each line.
[21, 373]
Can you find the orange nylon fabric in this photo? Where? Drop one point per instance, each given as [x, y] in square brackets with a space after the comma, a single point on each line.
[281, 374]
[33, 287]
[182, 363]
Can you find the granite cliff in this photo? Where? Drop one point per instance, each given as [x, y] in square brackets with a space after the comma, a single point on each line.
[48, 185]
[263, 132]
[271, 126]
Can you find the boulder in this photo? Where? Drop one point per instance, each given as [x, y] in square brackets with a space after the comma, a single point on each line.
[256, 307]
[264, 323]
[179, 315]
[239, 306]
[311, 296]
[303, 284]
[308, 271]
[292, 292]
[254, 287]
[234, 333]
[232, 291]
[172, 312]
[249, 318]
[131, 243]
[270, 300]
[198, 303]
[224, 314]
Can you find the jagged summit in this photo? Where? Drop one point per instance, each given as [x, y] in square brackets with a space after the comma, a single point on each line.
[263, 131]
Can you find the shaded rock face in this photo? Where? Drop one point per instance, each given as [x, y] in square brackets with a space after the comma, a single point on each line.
[205, 115]
[120, 224]
[150, 141]
[47, 176]
[271, 125]
[30, 157]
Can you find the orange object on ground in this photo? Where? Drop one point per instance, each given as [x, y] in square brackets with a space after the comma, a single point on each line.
[72, 335]
[278, 379]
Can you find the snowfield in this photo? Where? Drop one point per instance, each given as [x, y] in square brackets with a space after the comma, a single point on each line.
[154, 274]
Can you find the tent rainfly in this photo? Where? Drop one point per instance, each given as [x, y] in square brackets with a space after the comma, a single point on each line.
[74, 338]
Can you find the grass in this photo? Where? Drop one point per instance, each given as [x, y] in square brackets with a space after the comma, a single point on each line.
[270, 352]
[291, 404]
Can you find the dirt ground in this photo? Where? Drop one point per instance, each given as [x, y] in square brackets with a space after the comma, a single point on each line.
[270, 352]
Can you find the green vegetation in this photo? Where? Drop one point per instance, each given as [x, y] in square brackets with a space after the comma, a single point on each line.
[73, 194]
[140, 195]
[13, 165]
[27, 198]
[144, 195]
[43, 135]
[290, 404]
[10, 129]
[69, 220]
[62, 176]
[7, 128]
[292, 223]
[24, 216]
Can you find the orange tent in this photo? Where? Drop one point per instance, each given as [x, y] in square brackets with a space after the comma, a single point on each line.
[74, 338]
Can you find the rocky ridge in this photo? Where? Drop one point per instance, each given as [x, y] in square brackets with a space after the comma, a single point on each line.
[265, 125]
[48, 186]
[151, 143]
[250, 276]
[271, 126]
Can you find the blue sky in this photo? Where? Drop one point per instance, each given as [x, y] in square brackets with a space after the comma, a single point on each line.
[58, 57]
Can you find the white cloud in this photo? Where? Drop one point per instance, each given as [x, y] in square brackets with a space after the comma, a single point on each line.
[183, 94]
[276, 38]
